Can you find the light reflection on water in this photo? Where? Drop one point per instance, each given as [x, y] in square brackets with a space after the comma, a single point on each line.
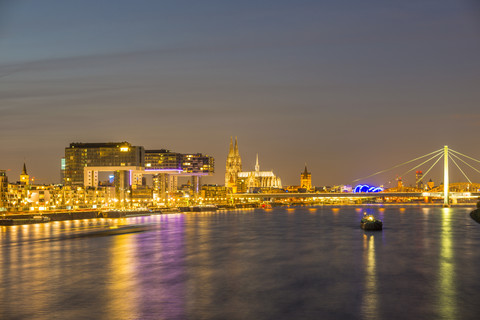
[370, 305]
[446, 274]
[284, 263]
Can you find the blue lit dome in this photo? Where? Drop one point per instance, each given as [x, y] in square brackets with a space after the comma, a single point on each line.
[365, 188]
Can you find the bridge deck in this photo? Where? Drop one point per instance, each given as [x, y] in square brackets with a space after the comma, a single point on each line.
[357, 195]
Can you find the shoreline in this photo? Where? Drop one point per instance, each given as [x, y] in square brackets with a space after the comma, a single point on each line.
[13, 219]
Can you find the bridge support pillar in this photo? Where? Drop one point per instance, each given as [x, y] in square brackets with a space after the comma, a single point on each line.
[122, 188]
[446, 202]
[196, 185]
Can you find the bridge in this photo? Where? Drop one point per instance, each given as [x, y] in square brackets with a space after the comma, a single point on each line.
[287, 195]
[473, 189]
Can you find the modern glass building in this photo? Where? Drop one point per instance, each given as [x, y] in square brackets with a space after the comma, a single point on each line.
[198, 163]
[111, 154]
[83, 161]
[163, 159]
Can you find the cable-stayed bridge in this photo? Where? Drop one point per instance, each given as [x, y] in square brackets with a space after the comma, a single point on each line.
[447, 191]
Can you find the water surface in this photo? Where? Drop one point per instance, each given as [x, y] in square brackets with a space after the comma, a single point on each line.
[285, 263]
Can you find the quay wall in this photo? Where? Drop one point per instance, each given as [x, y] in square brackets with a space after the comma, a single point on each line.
[18, 219]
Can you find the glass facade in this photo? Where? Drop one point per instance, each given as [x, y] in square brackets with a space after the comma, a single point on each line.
[198, 163]
[81, 155]
[163, 159]
[123, 154]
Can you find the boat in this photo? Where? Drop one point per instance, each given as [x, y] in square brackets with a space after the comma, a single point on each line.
[112, 231]
[370, 223]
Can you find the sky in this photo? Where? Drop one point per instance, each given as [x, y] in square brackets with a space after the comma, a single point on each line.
[348, 87]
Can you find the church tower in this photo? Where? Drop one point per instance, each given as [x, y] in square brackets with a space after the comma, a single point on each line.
[233, 166]
[306, 179]
[24, 177]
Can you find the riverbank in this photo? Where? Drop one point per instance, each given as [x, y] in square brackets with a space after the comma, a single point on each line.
[12, 219]
[31, 218]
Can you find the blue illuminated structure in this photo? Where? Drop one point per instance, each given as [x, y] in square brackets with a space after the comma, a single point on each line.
[365, 188]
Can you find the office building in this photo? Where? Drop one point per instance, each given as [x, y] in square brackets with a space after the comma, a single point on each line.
[84, 160]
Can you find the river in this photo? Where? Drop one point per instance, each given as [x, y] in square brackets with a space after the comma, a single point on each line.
[283, 263]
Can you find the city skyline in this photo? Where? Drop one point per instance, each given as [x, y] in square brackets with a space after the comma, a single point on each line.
[411, 169]
[347, 87]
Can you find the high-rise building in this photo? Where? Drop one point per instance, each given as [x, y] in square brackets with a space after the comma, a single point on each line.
[399, 183]
[78, 156]
[166, 165]
[197, 163]
[419, 179]
[233, 166]
[306, 179]
[163, 159]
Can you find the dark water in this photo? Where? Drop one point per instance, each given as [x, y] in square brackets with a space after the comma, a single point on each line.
[280, 264]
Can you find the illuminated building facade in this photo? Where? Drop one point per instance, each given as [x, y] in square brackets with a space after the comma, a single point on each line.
[238, 181]
[214, 193]
[399, 184]
[419, 179]
[24, 177]
[62, 170]
[306, 179]
[197, 163]
[233, 166]
[166, 166]
[163, 159]
[3, 189]
[248, 181]
[78, 156]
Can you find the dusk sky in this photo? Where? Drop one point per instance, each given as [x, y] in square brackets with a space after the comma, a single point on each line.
[349, 87]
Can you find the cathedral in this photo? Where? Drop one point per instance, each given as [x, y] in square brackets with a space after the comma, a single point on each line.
[233, 167]
[246, 181]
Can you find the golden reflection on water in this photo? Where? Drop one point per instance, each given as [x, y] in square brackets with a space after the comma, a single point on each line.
[370, 304]
[121, 287]
[199, 238]
[446, 290]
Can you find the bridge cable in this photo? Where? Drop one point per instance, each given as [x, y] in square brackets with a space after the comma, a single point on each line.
[451, 158]
[468, 164]
[438, 154]
[440, 157]
[465, 155]
[383, 171]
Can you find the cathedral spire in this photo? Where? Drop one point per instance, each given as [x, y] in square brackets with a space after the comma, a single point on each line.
[24, 171]
[257, 166]
[306, 171]
[236, 147]
[230, 152]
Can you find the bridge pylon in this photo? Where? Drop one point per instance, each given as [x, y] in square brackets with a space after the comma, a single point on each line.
[446, 202]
